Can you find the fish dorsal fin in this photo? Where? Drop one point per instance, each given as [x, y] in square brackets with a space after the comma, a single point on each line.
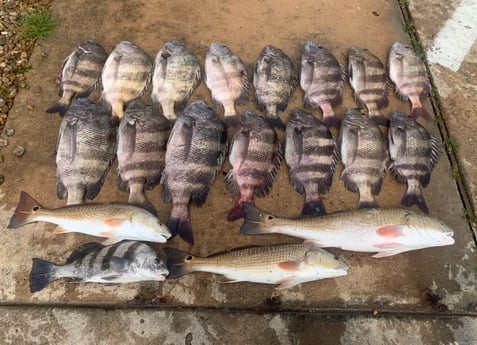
[391, 231]
[83, 250]
[290, 265]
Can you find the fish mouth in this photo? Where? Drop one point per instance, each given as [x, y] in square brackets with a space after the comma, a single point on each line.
[163, 275]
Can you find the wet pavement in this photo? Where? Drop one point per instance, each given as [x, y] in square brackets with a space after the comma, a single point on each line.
[422, 297]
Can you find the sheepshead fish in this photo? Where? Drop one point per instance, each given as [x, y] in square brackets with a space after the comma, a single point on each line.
[85, 151]
[287, 265]
[120, 263]
[255, 156]
[364, 155]
[126, 75]
[322, 80]
[274, 80]
[227, 79]
[142, 140]
[117, 222]
[79, 74]
[414, 153]
[409, 74]
[176, 76]
[195, 153]
[312, 155]
[368, 79]
[385, 231]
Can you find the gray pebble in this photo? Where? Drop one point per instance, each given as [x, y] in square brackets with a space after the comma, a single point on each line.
[9, 132]
[3, 40]
[3, 142]
[19, 151]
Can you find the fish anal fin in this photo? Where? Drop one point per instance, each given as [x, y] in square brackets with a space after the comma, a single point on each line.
[228, 280]
[391, 231]
[385, 254]
[391, 245]
[290, 265]
[61, 230]
[287, 283]
[112, 240]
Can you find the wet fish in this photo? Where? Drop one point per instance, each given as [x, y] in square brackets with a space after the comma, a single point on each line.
[322, 80]
[176, 76]
[195, 153]
[368, 79]
[227, 79]
[409, 75]
[142, 140]
[414, 153]
[85, 151]
[120, 263]
[126, 75]
[80, 73]
[117, 222]
[364, 155]
[385, 231]
[255, 156]
[312, 155]
[274, 80]
[287, 265]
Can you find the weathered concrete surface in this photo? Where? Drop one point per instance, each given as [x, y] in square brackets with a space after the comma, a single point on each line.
[171, 327]
[396, 284]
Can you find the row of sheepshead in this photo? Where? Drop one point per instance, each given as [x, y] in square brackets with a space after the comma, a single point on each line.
[176, 73]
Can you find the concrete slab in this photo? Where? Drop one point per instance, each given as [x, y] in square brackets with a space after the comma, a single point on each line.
[395, 284]
[192, 327]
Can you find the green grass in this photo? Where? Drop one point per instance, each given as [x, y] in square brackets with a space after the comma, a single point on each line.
[4, 93]
[37, 24]
[455, 173]
[451, 144]
[24, 69]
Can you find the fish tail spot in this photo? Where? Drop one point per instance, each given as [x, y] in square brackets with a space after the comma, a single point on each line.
[26, 208]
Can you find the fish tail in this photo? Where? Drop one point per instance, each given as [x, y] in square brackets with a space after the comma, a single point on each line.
[41, 274]
[178, 262]
[254, 220]
[275, 121]
[179, 223]
[61, 107]
[145, 204]
[313, 208]
[330, 119]
[415, 197]
[236, 212]
[368, 204]
[137, 197]
[380, 120]
[420, 111]
[117, 109]
[231, 121]
[24, 213]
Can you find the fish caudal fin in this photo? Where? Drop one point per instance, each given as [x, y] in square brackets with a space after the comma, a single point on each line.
[179, 224]
[380, 120]
[41, 274]
[178, 262]
[236, 212]
[137, 197]
[231, 121]
[368, 204]
[254, 220]
[24, 211]
[415, 198]
[420, 111]
[313, 208]
[274, 120]
[60, 108]
[330, 119]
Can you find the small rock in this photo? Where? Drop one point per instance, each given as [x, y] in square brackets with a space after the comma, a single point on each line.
[3, 142]
[22, 84]
[2, 102]
[30, 107]
[3, 40]
[19, 151]
[9, 132]
[44, 54]
[37, 90]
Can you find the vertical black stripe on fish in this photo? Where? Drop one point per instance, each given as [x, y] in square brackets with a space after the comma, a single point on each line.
[90, 260]
[106, 261]
[131, 251]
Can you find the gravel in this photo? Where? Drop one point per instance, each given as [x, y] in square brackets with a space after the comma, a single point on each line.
[14, 51]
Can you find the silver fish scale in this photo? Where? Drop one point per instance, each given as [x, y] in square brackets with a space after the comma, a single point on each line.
[364, 155]
[85, 151]
[176, 76]
[311, 154]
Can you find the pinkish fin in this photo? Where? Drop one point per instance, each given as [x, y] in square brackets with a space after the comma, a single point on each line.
[385, 254]
[390, 231]
[112, 240]
[287, 283]
[314, 244]
[115, 222]
[391, 245]
[61, 230]
[290, 265]
[108, 233]
[236, 212]
[227, 280]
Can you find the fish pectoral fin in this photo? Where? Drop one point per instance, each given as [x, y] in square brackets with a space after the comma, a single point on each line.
[115, 222]
[111, 277]
[314, 244]
[61, 230]
[386, 254]
[287, 283]
[227, 280]
[391, 245]
[112, 240]
[290, 265]
[391, 231]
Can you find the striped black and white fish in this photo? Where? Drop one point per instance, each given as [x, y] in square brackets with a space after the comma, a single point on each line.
[195, 153]
[142, 141]
[414, 153]
[322, 80]
[255, 156]
[274, 79]
[364, 155]
[176, 76]
[123, 262]
[126, 76]
[312, 155]
[85, 151]
[80, 73]
[368, 79]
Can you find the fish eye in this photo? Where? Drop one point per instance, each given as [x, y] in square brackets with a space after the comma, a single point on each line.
[189, 258]
[36, 208]
[270, 217]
